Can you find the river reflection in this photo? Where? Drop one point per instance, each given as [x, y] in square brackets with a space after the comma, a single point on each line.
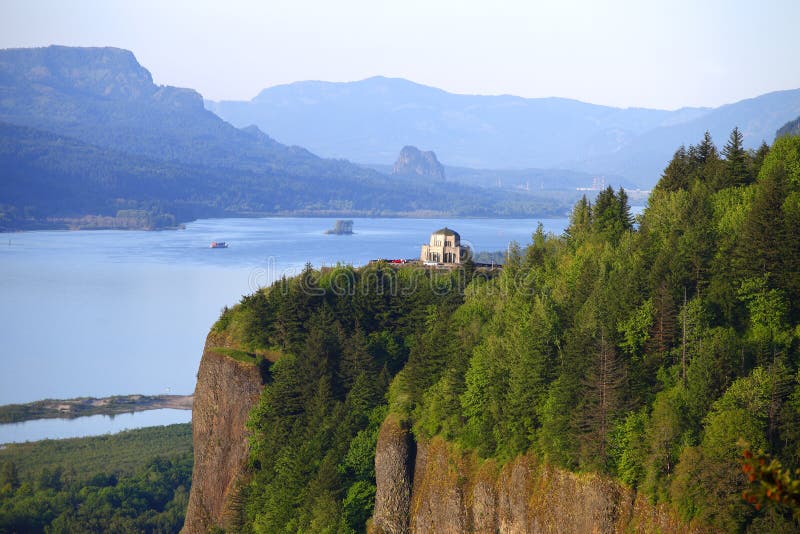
[93, 425]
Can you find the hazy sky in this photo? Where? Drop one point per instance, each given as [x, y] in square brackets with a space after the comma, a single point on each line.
[665, 54]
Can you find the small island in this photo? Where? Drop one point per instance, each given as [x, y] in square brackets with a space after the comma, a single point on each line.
[342, 227]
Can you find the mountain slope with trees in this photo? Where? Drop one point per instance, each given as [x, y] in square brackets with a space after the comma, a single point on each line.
[790, 128]
[650, 350]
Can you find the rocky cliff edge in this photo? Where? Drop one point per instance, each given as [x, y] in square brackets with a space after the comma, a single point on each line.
[452, 491]
[226, 391]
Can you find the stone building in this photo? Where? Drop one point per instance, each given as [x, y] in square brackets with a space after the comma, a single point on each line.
[444, 247]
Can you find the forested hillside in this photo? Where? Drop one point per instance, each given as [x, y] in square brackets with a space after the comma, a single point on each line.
[134, 481]
[651, 350]
[790, 128]
[55, 181]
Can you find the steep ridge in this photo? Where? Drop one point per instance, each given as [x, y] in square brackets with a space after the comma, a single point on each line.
[226, 391]
[454, 492]
[104, 97]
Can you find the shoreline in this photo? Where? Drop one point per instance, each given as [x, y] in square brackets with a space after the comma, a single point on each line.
[34, 226]
[85, 406]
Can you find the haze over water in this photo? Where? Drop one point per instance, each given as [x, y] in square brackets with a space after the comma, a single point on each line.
[99, 313]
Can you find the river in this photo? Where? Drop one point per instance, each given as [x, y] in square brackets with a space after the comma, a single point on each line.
[99, 313]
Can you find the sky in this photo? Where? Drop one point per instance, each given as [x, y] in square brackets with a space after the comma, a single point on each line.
[624, 53]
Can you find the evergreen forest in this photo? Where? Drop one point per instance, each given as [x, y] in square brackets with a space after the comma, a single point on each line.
[654, 350]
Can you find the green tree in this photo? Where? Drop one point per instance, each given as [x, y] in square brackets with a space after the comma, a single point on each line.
[601, 400]
[677, 174]
[580, 221]
[706, 151]
[736, 160]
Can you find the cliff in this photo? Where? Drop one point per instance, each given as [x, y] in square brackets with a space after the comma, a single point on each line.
[394, 463]
[452, 491]
[415, 162]
[226, 391]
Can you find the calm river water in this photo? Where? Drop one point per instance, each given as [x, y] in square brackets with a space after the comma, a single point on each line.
[98, 313]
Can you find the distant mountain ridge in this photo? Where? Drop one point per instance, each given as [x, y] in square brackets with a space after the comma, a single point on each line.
[102, 96]
[366, 120]
[88, 140]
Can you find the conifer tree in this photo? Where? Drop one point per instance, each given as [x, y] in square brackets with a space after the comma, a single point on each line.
[602, 398]
[762, 247]
[736, 160]
[706, 150]
[757, 159]
[580, 220]
[664, 325]
[605, 214]
[625, 217]
[676, 175]
[355, 360]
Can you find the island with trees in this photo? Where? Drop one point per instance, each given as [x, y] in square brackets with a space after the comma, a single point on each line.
[342, 227]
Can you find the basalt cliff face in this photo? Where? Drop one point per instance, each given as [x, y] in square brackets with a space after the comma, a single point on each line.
[226, 391]
[432, 487]
[422, 487]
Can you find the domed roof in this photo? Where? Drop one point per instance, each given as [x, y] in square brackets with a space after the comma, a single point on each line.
[446, 231]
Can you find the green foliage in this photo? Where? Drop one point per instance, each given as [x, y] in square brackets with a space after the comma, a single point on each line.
[343, 335]
[643, 352]
[67, 486]
[71, 178]
[636, 329]
[630, 448]
[127, 451]
[358, 504]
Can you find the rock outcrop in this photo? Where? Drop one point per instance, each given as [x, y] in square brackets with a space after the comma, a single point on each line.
[414, 162]
[226, 391]
[455, 492]
[394, 462]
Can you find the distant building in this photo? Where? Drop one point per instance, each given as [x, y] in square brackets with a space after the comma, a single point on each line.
[444, 247]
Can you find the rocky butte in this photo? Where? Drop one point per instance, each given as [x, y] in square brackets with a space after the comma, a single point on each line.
[418, 163]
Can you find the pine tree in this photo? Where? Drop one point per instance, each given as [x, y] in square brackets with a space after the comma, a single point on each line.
[706, 150]
[602, 398]
[736, 160]
[625, 217]
[757, 159]
[605, 214]
[677, 174]
[289, 322]
[664, 330]
[762, 247]
[580, 220]
[355, 360]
